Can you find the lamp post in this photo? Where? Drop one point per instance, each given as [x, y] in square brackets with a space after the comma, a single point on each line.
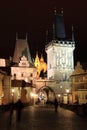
[67, 91]
[12, 94]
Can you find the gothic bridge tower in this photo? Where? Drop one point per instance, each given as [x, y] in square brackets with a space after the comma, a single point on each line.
[60, 54]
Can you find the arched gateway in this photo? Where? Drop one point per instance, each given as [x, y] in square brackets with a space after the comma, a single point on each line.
[45, 95]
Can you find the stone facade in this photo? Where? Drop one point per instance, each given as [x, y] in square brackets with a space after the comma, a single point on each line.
[79, 84]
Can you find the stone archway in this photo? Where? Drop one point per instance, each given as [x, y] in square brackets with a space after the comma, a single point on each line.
[46, 94]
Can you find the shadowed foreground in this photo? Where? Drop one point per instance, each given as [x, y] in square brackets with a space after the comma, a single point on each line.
[43, 118]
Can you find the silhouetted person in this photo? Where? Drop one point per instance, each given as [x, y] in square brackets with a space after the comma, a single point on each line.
[19, 106]
[55, 104]
[11, 105]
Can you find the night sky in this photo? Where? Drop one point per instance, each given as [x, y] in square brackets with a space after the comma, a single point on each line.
[34, 18]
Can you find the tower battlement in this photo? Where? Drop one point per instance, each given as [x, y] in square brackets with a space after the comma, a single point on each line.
[60, 44]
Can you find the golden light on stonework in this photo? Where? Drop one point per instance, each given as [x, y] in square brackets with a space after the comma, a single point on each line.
[67, 90]
[32, 94]
[12, 92]
[40, 64]
[59, 95]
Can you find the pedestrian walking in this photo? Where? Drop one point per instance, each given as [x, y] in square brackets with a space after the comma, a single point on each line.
[56, 104]
[11, 105]
[19, 106]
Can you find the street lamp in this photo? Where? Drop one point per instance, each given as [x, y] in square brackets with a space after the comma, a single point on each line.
[61, 90]
[32, 97]
[1, 97]
[12, 94]
[59, 97]
[67, 91]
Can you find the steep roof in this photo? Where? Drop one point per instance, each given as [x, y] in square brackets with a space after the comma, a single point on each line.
[59, 27]
[59, 32]
[21, 48]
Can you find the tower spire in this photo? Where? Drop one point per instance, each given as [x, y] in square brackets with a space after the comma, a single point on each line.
[53, 31]
[55, 13]
[72, 33]
[46, 36]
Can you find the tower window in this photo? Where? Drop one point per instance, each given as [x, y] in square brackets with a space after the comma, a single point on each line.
[50, 66]
[64, 76]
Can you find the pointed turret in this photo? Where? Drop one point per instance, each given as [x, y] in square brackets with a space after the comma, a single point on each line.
[43, 64]
[37, 61]
[46, 36]
[41, 59]
[73, 34]
[53, 31]
[37, 64]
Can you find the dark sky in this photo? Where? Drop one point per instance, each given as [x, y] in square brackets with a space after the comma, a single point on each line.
[35, 17]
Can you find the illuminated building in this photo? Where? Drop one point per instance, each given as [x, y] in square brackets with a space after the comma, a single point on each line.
[60, 57]
[60, 65]
[79, 84]
[23, 72]
[25, 79]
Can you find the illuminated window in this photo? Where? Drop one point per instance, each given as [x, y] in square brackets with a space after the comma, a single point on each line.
[64, 76]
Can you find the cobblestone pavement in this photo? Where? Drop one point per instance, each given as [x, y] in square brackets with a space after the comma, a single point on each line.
[43, 118]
